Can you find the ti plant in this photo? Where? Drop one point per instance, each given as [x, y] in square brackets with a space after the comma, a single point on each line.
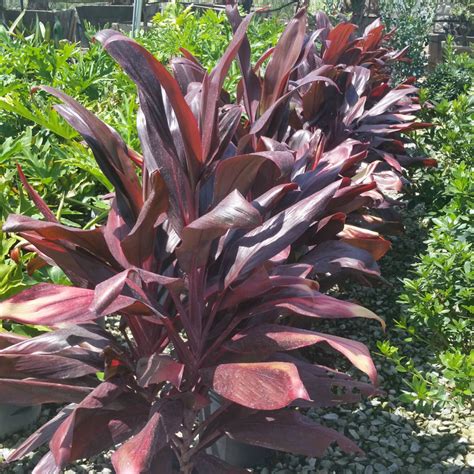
[211, 256]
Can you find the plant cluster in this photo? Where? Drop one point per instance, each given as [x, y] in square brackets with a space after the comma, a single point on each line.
[213, 254]
[437, 297]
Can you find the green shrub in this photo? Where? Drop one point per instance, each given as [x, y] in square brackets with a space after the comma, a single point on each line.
[413, 21]
[441, 294]
[438, 297]
[451, 142]
[206, 35]
[452, 77]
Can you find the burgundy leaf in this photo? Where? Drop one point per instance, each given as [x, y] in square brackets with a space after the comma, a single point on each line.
[138, 245]
[335, 256]
[136, 455]
[284, 57]
[62, 341]
[301, 298]
[250, 81]
[49, 305]
[108, 296]
[269, 338]
[229, 120]
[35, 197]
[288, 431]
[277, 233]
[389, 100]
[233, 212]
[260, 386]
[9, 339]
[91, 240]
[105, 417]
[327, 387]
[337, 41]
[18, 366]
[30, 392]
[239, 172]
[47, 464]
[159, 368]
[40, 436]
[149, 75]
[109, 150]
[211, 89]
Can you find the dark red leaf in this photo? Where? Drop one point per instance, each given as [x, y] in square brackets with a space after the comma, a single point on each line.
[239, 172]
[159, 368]
[270, 338]
[31, 392]
[285, 55]
[137, 454]
[260, 385]
[277, 233]
[288, 431]
[105, 417]
[35, 197]
[233, 212]
[40, 436]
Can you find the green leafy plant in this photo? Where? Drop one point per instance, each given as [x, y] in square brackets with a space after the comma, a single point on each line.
[205, 35]
[413, 21]
[437, 297]
[452, 77]
[440, 296]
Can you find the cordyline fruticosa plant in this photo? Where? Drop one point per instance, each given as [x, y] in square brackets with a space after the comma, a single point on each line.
[207, 259]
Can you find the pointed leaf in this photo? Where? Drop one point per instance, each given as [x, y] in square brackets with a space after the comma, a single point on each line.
[109, 150]
[269, 338]
[260, 386]
[35, 197]
[234, 212]
[136, 455]
[239, 172]
[44, 366]
[46, 304]
[288, 431]
[337, 41]
[31, 392]
[40, 436]
[150, 75]
[302, 298]
[335, 257]
[275, 234]
[159, 368]
[285, 55]
[211, 88]
[138, 245]
[49, 305]
[104, 418]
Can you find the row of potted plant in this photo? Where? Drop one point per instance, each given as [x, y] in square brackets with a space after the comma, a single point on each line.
[223, 237]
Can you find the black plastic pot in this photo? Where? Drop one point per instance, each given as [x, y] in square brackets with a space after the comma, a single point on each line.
[14, 418]
[232, 452]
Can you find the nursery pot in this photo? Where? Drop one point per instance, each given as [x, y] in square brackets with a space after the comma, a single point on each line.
[232, 452]
[14, 418]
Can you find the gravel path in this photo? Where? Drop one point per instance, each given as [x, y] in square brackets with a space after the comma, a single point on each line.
[395, 437]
